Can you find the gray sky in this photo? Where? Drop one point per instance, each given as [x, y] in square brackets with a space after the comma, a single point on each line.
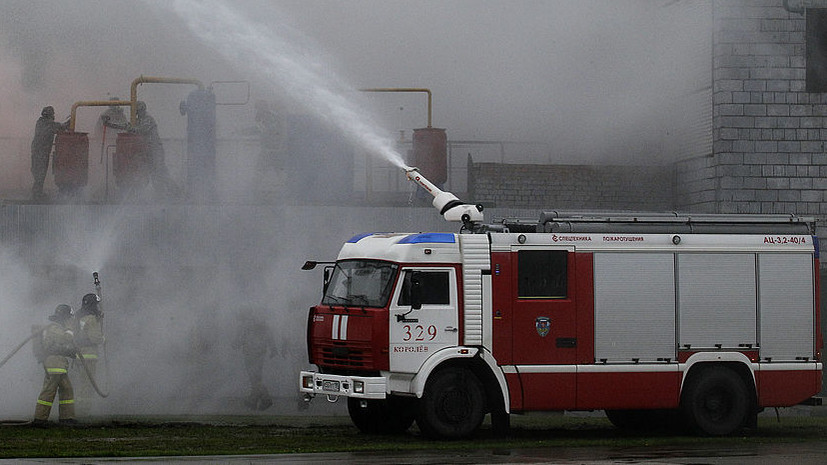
[588, 76]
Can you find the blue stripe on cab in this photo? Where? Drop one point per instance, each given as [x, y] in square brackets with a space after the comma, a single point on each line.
[359, 237]
[426, 238]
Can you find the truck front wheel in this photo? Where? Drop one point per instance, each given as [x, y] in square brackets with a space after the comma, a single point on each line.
[393, 415]
[716, 401]
[453, 405]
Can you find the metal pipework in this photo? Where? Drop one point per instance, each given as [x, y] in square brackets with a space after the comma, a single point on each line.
[405, 89]
[133, 93]
[448, 205]
[94, 103]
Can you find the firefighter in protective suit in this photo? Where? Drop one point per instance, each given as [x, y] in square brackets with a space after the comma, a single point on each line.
[255, 339]
[44, 137]
[145, 125]
[88, 336]
[58, 346]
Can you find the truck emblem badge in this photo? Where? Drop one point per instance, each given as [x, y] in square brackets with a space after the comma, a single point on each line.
[543, 325]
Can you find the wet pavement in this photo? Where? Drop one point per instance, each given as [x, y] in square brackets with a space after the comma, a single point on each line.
[768, 454]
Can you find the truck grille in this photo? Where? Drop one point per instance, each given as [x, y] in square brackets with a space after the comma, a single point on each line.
[344, 355]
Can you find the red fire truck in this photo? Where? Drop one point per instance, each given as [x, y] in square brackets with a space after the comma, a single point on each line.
[702, 319]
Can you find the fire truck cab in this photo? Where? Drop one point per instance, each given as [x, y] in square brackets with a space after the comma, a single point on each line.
[702, 319]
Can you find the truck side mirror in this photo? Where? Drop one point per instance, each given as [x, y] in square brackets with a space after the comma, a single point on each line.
[326, 278]
[416, 291]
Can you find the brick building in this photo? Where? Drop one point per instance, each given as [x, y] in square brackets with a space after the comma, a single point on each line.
[757, 144]
[769, 112]
[573, 187]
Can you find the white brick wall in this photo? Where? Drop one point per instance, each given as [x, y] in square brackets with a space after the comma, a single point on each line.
[768, 134]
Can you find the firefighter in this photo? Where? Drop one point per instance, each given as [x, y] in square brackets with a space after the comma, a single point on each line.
[114, 114]
[58, 347]
[254, 338]
[44, 137]
[88, 336]
[145, 125]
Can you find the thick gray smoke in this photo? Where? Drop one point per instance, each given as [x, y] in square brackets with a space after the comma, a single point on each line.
[575, 75]
[595, 80]
[175, 281]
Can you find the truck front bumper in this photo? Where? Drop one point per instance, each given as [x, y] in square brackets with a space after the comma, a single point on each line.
[362, 387]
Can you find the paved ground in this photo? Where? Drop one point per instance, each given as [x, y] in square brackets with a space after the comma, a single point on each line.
[808, 453]
[773, 454]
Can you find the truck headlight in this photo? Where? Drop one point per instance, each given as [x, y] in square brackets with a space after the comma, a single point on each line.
[359, 387]
[307, 381]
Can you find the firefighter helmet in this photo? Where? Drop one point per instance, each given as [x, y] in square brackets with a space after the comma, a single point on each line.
[90, 299]
[62, 313]
[48, 111]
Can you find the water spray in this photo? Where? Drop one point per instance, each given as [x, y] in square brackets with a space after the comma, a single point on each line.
[245, 41]
[449, 206]
[99, 293]
[219, 24]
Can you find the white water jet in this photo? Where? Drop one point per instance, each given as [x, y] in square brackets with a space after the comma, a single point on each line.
[301, 76]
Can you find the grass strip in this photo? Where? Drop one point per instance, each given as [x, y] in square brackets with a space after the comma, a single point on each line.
[144, 437]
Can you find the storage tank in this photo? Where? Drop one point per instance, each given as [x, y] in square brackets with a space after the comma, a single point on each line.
[131, 162]
[71, 162]
[430, 154]
[201, 177]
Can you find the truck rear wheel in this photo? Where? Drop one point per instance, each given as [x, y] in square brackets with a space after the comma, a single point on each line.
[453, 405]
[393, 415]
[716, 402]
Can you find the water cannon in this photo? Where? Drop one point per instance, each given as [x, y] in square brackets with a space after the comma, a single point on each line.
[449, 206]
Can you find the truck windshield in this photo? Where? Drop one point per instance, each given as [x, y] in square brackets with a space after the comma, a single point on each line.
[360, 283]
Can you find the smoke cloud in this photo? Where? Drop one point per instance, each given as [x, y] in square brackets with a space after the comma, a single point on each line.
[587, 77]
[582, 77]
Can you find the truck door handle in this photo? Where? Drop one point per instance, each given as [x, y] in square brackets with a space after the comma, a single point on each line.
[566, 342]
[452, 329]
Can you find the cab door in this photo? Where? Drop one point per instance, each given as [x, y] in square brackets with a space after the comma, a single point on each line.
[415, 334]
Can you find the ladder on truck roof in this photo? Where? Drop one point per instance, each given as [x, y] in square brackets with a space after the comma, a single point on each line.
[663, 222]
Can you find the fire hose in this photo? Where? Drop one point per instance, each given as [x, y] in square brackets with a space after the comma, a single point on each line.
[8, 357]
[82, 362]
[89, 373]
[19, 346]
[77, 353]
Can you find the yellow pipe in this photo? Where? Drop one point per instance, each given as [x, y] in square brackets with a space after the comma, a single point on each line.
[133, 94]
[93, 103]
[405, 89]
